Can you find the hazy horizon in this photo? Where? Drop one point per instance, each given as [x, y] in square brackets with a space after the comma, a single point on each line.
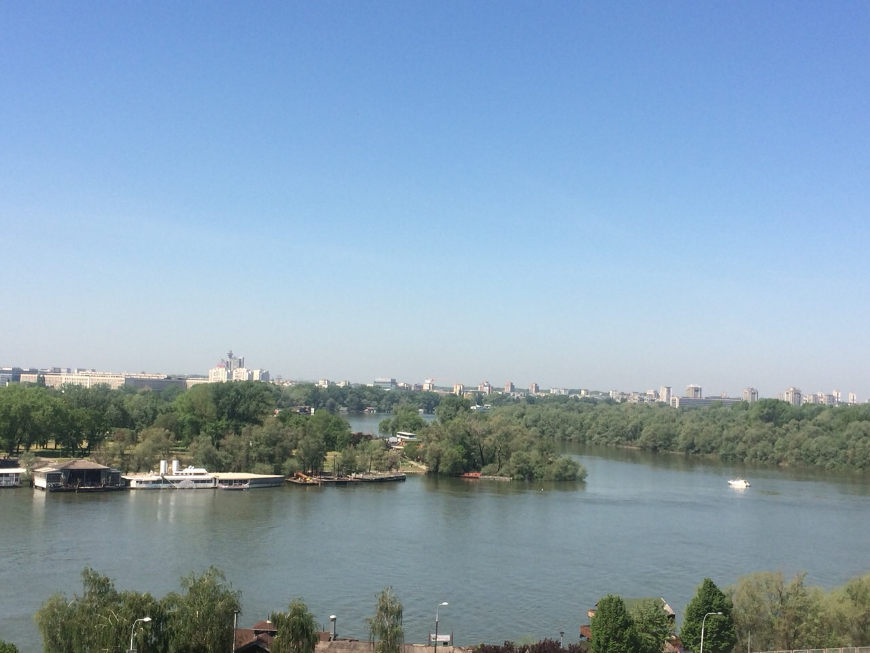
[580, 195]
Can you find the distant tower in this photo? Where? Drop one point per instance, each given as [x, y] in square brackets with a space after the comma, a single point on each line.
[233, 363]
[534, 388]
[665, 394]
[429, 385]
[458, 389]
[509, 387]
[838, 397]
[853, 399]
[750, 395]
[694, 392]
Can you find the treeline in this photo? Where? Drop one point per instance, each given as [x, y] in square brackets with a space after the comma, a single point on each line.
[77, 420]
[780, 615]
[494, 444]
[357, 398]
[199, 619]
[242, 426]
[768, 431]
[233, 426]
[760, 612]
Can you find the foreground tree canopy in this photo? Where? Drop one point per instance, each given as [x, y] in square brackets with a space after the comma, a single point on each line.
[718, 627]
[385, 627]
[296, 629]
[784, 615]
[198, 620]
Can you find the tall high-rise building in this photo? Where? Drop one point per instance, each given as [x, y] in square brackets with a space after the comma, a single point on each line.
[233, 362]
[750, 394]
[485, 387]
[509, 387]
[429, 385]
[534, 388]
[838, 397]
[853, 399]
[792, 396]
[694, 392]
[665, 394]
[458, 389]
[233, 369]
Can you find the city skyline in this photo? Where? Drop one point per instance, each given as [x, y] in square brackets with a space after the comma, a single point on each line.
[232, 363]
[617, 196]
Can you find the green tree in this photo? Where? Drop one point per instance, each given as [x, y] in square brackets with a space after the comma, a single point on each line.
[7, 647]
[296, 629]
[854, 600]
[612, 628]
[719, 633]
[99, 619]
[332, 429]
[450, 407]
[201, 619]
[406, 419]
[386, 626]
[653, 625]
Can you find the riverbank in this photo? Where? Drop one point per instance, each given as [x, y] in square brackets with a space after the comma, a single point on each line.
[641, 525]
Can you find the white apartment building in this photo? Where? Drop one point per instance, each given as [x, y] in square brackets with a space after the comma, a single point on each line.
[792, 396]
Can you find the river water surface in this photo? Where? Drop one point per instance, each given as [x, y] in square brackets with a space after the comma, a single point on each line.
[512, 560]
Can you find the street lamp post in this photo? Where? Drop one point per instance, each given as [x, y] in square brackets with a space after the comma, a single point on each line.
[436, 621]
[235, 627]
[561, 639]
[144, 620]
[332, 619]
[702, 628]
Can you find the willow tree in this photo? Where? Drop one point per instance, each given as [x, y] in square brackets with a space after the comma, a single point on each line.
[386, 626]
[99, 619]
[296, 629]
[200, 620]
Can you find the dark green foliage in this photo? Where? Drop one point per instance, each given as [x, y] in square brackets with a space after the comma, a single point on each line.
[493, 443]
[612, 628]
[451, 407]
[132, 429]
[356, 398]
[544, 646]
[653, 625]
[405, 419]
[296, 629]
[6, 647]
[719, 633]
[768, 431]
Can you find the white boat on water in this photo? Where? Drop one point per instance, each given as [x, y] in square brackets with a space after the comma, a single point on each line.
[188, 478]
[739, 483]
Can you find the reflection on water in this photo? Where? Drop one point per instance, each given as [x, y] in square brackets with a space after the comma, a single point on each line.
[512, 559]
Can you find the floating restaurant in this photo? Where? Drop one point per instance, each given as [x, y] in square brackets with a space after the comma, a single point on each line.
[77, 476]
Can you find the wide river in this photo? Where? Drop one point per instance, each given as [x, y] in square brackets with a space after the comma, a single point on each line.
[513, 560]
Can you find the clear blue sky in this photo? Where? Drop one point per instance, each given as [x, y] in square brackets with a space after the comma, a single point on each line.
[602, 195]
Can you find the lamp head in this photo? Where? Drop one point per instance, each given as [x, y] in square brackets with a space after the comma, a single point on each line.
[145, 619]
